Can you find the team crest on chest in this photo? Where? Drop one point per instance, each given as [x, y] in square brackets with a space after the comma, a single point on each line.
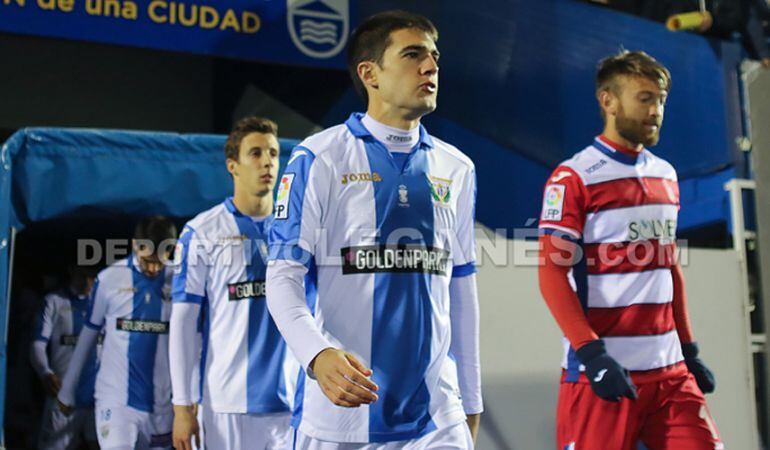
[440, 190]
[403, 196]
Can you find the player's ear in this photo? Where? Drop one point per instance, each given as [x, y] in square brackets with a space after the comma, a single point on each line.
[608, 102]
[367, 74]
[232, 166]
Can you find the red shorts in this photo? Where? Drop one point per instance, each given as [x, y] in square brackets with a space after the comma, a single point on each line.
[669, 414]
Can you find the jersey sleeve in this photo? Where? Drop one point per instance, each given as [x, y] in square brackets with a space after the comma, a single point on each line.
[464, 258]
[564, 204]
[97, 307]
[191, 272]
[46, 321]
[302, 194]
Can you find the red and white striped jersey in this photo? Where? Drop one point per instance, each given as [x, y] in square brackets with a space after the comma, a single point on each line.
[622, 211]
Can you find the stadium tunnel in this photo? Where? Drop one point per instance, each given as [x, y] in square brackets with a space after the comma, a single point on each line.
[60, 186]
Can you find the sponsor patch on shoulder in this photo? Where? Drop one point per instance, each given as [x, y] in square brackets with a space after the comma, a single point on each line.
[553, 202]
[282, 199]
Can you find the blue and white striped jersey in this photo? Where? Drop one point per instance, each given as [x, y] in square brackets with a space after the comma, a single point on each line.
[59, 325]
[134, 311]
[245, 367]
[381, 242]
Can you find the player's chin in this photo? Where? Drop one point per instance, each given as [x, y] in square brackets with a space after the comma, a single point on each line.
[426, 105]
[651, 140]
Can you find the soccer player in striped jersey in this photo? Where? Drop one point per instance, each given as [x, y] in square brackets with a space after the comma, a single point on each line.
[611, 280]
[246, 372]
[59, 325]
[374, 229]
[131, 302]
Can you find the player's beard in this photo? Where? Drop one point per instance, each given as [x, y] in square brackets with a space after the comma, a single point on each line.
[634, 130]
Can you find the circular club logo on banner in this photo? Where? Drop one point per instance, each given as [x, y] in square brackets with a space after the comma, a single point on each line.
[319, 28]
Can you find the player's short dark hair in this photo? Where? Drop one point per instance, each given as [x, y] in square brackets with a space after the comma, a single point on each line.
[632, 64]
[243, 128]
[372, 37]
[154, 230]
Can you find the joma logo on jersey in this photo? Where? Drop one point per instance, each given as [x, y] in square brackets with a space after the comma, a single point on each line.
[142, 326]
[246, 289]
[651, 229]
[364, 176]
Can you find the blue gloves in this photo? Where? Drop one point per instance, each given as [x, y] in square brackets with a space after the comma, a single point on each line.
[703, 376]
[608, 379]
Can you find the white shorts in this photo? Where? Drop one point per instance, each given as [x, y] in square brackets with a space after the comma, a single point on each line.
[246, 431]
[456, 437]
[123, 427]
[60, 432]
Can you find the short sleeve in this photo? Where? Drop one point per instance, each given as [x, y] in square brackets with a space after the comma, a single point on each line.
[97, 307]
[191, 270]
[299, 208]
[46, 320]
[464, 256]
[564, 204]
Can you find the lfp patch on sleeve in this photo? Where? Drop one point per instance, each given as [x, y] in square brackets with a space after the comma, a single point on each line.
[282, 199]
[553, 202]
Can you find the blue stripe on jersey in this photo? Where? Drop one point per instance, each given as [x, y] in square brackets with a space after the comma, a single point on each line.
[91, 300]
[402, 312]
[311, 296]
[179, 283]
[142, 347]
[84, 393]
[285, 233]
[580, 274]
[205, 327]
[265, 384]
[463, 270]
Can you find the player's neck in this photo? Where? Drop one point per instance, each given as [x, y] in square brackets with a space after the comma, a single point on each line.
[253, 205]
[392, 117]
[611, 136]
[396, 140]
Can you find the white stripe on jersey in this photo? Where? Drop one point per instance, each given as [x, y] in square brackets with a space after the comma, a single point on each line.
[603, 225]
[639, 352]
[619, 290]
[586, 160]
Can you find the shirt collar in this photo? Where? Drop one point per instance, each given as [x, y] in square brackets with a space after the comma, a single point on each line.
[359, 130]
[622, 158]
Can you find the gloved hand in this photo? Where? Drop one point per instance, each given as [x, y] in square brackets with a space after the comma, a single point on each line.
[703, 376]
[609, 380]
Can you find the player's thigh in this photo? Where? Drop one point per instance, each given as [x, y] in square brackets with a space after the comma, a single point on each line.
[117, 428]
[158, 430]
[455, 437]
[274, 429]
[585, 421]
[682, 421]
